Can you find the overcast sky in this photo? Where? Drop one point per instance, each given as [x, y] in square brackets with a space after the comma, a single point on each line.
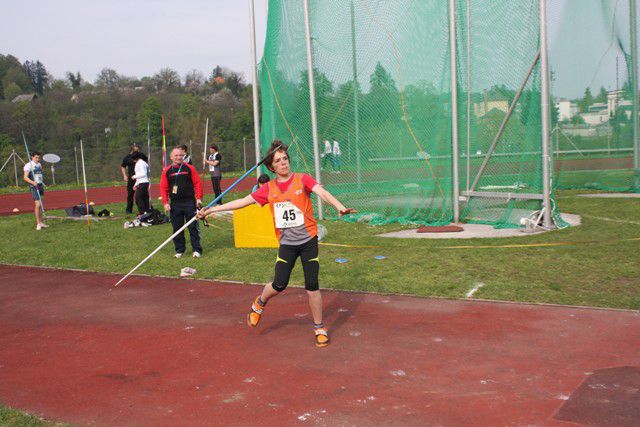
[136, 38]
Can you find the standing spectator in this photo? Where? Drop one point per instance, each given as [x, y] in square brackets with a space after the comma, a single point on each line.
[33, 177]
[262, 180]
[214, 169]
[141, 186]
[327, 154]
[181, 191]
[336, 154]
[128, 170]
[187, 156]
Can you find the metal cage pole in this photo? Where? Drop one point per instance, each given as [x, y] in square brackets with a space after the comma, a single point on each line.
[544, 95]
[254, 79]
[15, 166]
[244, 154]
[312, 102]
[454, 111]
[356, 112]
[75, 156]
[468, 92]
[634, 87]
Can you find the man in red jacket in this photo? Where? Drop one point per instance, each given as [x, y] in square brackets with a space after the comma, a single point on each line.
[181, 190]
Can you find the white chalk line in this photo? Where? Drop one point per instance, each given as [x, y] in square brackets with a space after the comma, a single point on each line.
[474, 289]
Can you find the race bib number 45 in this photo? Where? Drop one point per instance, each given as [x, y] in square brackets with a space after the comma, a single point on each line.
[287, 215]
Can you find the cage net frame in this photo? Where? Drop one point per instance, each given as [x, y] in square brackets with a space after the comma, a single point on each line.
[595, 135]
[383, 90]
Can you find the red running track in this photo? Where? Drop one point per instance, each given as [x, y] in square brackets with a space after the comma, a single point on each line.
[61, 199]
[160, 351]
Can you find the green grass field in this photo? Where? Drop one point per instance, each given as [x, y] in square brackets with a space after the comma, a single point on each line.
[13, 418]
[23, 188]
[12, 189]
[599, 268]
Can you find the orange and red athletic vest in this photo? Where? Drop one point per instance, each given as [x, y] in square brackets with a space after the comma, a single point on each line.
[297, 195]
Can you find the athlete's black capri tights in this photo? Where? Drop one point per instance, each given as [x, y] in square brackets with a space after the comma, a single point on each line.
[287, 255]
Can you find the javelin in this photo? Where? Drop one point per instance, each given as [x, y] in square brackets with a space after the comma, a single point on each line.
[149, 157]
[164, 145]
[204, 152]
[34, 175]
[196, 217]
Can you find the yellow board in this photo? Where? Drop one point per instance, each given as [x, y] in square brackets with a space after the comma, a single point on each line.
[253, 227]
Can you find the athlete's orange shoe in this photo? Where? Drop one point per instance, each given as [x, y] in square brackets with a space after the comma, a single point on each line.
[256, 311]
[322, 337]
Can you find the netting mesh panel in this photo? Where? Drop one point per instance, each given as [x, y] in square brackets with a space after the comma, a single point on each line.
[396, 161]
[392, 115]
[497, 46]
[592, 132]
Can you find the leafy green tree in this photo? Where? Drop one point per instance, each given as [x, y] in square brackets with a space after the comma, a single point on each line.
[59, 85]
[6, 141]
[150, 113]
[628, 90]
[11, 91]
[586, 101]
[23, 118]
[383, 100]
[18, 76]
[602, 95]
[108, 78]
[242, 126]
[148, 83]
[6, 63]
[38, 75]
[75, 80]
[235, 83]
[188, 117]
[167, 79]
[188, 106]
[128, 81]
[381, 80]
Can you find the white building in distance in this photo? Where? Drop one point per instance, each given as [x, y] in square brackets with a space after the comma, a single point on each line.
[566, 110]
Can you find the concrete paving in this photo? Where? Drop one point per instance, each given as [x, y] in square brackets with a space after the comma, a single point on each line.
[474, 231]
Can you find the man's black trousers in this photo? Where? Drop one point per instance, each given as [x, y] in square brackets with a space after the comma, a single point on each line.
[181, 212]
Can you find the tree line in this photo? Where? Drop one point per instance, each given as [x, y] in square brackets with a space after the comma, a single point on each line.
[113, 111]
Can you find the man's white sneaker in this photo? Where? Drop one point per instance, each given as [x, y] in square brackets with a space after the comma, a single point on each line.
[178, 255]
[196, 254]
[43, 225]
[39, 227]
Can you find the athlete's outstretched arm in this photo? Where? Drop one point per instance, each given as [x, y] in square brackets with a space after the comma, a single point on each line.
[329, 198]
[230, 206]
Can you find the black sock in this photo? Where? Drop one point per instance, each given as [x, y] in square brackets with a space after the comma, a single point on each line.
[262, 303]
[318, 325]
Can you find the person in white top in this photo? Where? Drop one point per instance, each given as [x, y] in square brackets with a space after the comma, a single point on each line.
[327, 154]
[141, 185]
[33, 177]
[336, 153]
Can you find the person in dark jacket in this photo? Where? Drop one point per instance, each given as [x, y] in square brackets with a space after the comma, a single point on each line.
[181, 192]
[128, 170]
